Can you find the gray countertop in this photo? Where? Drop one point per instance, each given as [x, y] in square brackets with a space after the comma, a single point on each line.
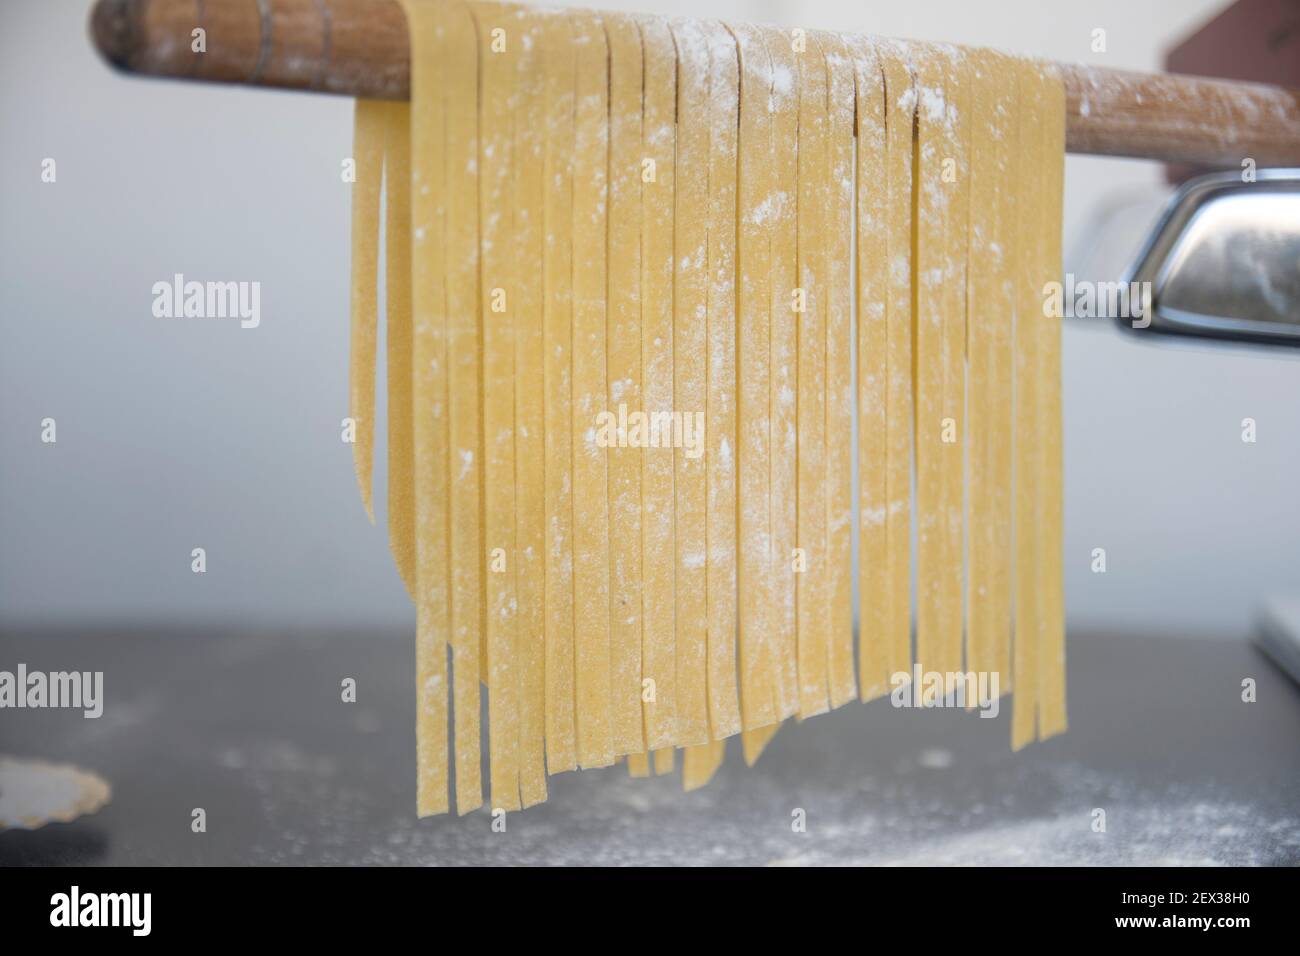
[251, 728]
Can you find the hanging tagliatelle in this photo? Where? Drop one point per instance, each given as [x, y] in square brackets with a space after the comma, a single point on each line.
[677, 312]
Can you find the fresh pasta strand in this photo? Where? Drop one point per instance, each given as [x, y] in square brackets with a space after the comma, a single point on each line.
[840, 400]
[952, 442]
[1051, 661]
[783, 105]
[601, 226]
[700, 763]
[900, 113]
[813, 588]
[933, 152]
[429, 410]
[991, 306]
[368, 155]
[1028, 443]
[638, 765]
[664, 615]
[624, 380]
[464, 345]
[397, 287]
[530, 451]
[720, 391]
[664, 758]
[690, 382]
[754, 742]
[498, 296]
[871, 209]
[560, 63]
[589, 469]
[756, 197]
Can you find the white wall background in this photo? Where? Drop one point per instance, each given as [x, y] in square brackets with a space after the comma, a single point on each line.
[173, 435]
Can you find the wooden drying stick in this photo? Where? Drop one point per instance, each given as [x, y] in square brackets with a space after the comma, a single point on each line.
[360, 48]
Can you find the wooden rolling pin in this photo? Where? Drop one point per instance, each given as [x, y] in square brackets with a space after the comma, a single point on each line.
[360, 48]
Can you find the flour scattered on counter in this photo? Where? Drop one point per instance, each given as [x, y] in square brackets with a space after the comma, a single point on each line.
[935, 758]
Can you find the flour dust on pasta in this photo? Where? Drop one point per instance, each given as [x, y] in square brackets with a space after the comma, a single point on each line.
[678, 314]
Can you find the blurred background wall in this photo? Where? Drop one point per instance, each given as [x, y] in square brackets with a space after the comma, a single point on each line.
[181, 434]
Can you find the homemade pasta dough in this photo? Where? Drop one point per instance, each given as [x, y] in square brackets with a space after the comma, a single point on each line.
[677, 315]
